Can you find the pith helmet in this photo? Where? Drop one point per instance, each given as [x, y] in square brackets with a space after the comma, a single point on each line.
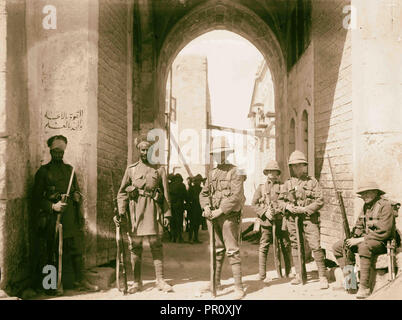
[271, 165]
[220, 144]
[297, 157]
[369, 185]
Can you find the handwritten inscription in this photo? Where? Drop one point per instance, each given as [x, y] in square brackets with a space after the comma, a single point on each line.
[64, 120]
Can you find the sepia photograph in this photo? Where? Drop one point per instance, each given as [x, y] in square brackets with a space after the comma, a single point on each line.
[200, 152]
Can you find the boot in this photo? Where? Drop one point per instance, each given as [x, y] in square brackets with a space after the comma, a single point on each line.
[324, 283]
[85, 285]
[322, 269]
[218, 272]
[364, 288]
[136, 265]
[340, 261]
[136, 287]
[161, 284]
[363, 293]
[296, 280]
[239, 290]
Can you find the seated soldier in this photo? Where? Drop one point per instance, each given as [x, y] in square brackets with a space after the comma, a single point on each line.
[375, 225]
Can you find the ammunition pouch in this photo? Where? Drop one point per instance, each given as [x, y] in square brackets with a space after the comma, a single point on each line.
[132, 193]
[158, 196]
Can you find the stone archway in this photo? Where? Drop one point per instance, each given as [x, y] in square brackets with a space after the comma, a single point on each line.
[225, 15]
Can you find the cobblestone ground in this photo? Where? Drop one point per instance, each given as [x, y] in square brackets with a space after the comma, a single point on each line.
[187, 269]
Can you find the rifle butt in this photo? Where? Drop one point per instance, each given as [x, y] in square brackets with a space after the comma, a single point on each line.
[212, 259]
[277, 251]
[123, 257]
[60, 263]
[300, 252]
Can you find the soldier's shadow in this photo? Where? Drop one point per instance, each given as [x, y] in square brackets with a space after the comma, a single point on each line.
[257, 285]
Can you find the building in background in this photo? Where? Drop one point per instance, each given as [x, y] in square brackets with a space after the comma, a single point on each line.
[190, 109]
[262, 120]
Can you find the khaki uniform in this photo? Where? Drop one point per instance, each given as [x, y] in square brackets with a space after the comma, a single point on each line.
[309, 196]
[376, 223]
[225, 187]
[266, 198]
[148, 204]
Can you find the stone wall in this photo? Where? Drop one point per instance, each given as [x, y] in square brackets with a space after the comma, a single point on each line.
[62, 88]
[112, 146]
[333, 113]
[14, 151]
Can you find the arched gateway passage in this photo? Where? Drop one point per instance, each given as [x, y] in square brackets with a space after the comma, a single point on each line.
[225, 15]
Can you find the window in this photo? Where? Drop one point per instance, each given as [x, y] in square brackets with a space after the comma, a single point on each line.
[292, 136]
[304, 132]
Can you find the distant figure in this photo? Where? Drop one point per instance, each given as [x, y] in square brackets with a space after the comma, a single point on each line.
[195, 211]
[178, 198]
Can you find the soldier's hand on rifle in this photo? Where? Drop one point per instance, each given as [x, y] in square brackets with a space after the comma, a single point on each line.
[166, 222]
[207, 212]
[354, 241]
[291, 208]
[299, 210]
[269, 214]
[59, 206]
[210, 215]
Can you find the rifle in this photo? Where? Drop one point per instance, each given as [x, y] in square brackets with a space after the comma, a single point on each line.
[120, 245]
[212, 262]
[277, 250]
[300, 242]
[59, 231]
[347, 253]
[275, 240]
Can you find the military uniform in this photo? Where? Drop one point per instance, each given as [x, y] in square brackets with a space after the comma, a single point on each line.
[51, 181]
[376, 223]
[265, 201]
[144, 191]
[308, 198]
[225, 186]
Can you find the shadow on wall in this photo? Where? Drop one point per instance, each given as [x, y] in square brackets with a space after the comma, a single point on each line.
[333, 110]
[328, 75]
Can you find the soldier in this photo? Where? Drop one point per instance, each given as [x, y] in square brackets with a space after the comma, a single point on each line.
[224, 189]
[375, 225]
[195, 211]
[268, 212]
[51, 181]
[308, 200]
[144, 189]
[178, 198]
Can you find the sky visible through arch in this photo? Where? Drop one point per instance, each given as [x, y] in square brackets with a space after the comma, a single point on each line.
[232, 65]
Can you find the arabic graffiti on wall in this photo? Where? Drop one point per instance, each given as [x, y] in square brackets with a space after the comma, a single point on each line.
[63, 120]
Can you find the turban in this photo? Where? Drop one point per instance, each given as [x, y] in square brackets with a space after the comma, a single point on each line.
[58, 144]
[142, 140]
